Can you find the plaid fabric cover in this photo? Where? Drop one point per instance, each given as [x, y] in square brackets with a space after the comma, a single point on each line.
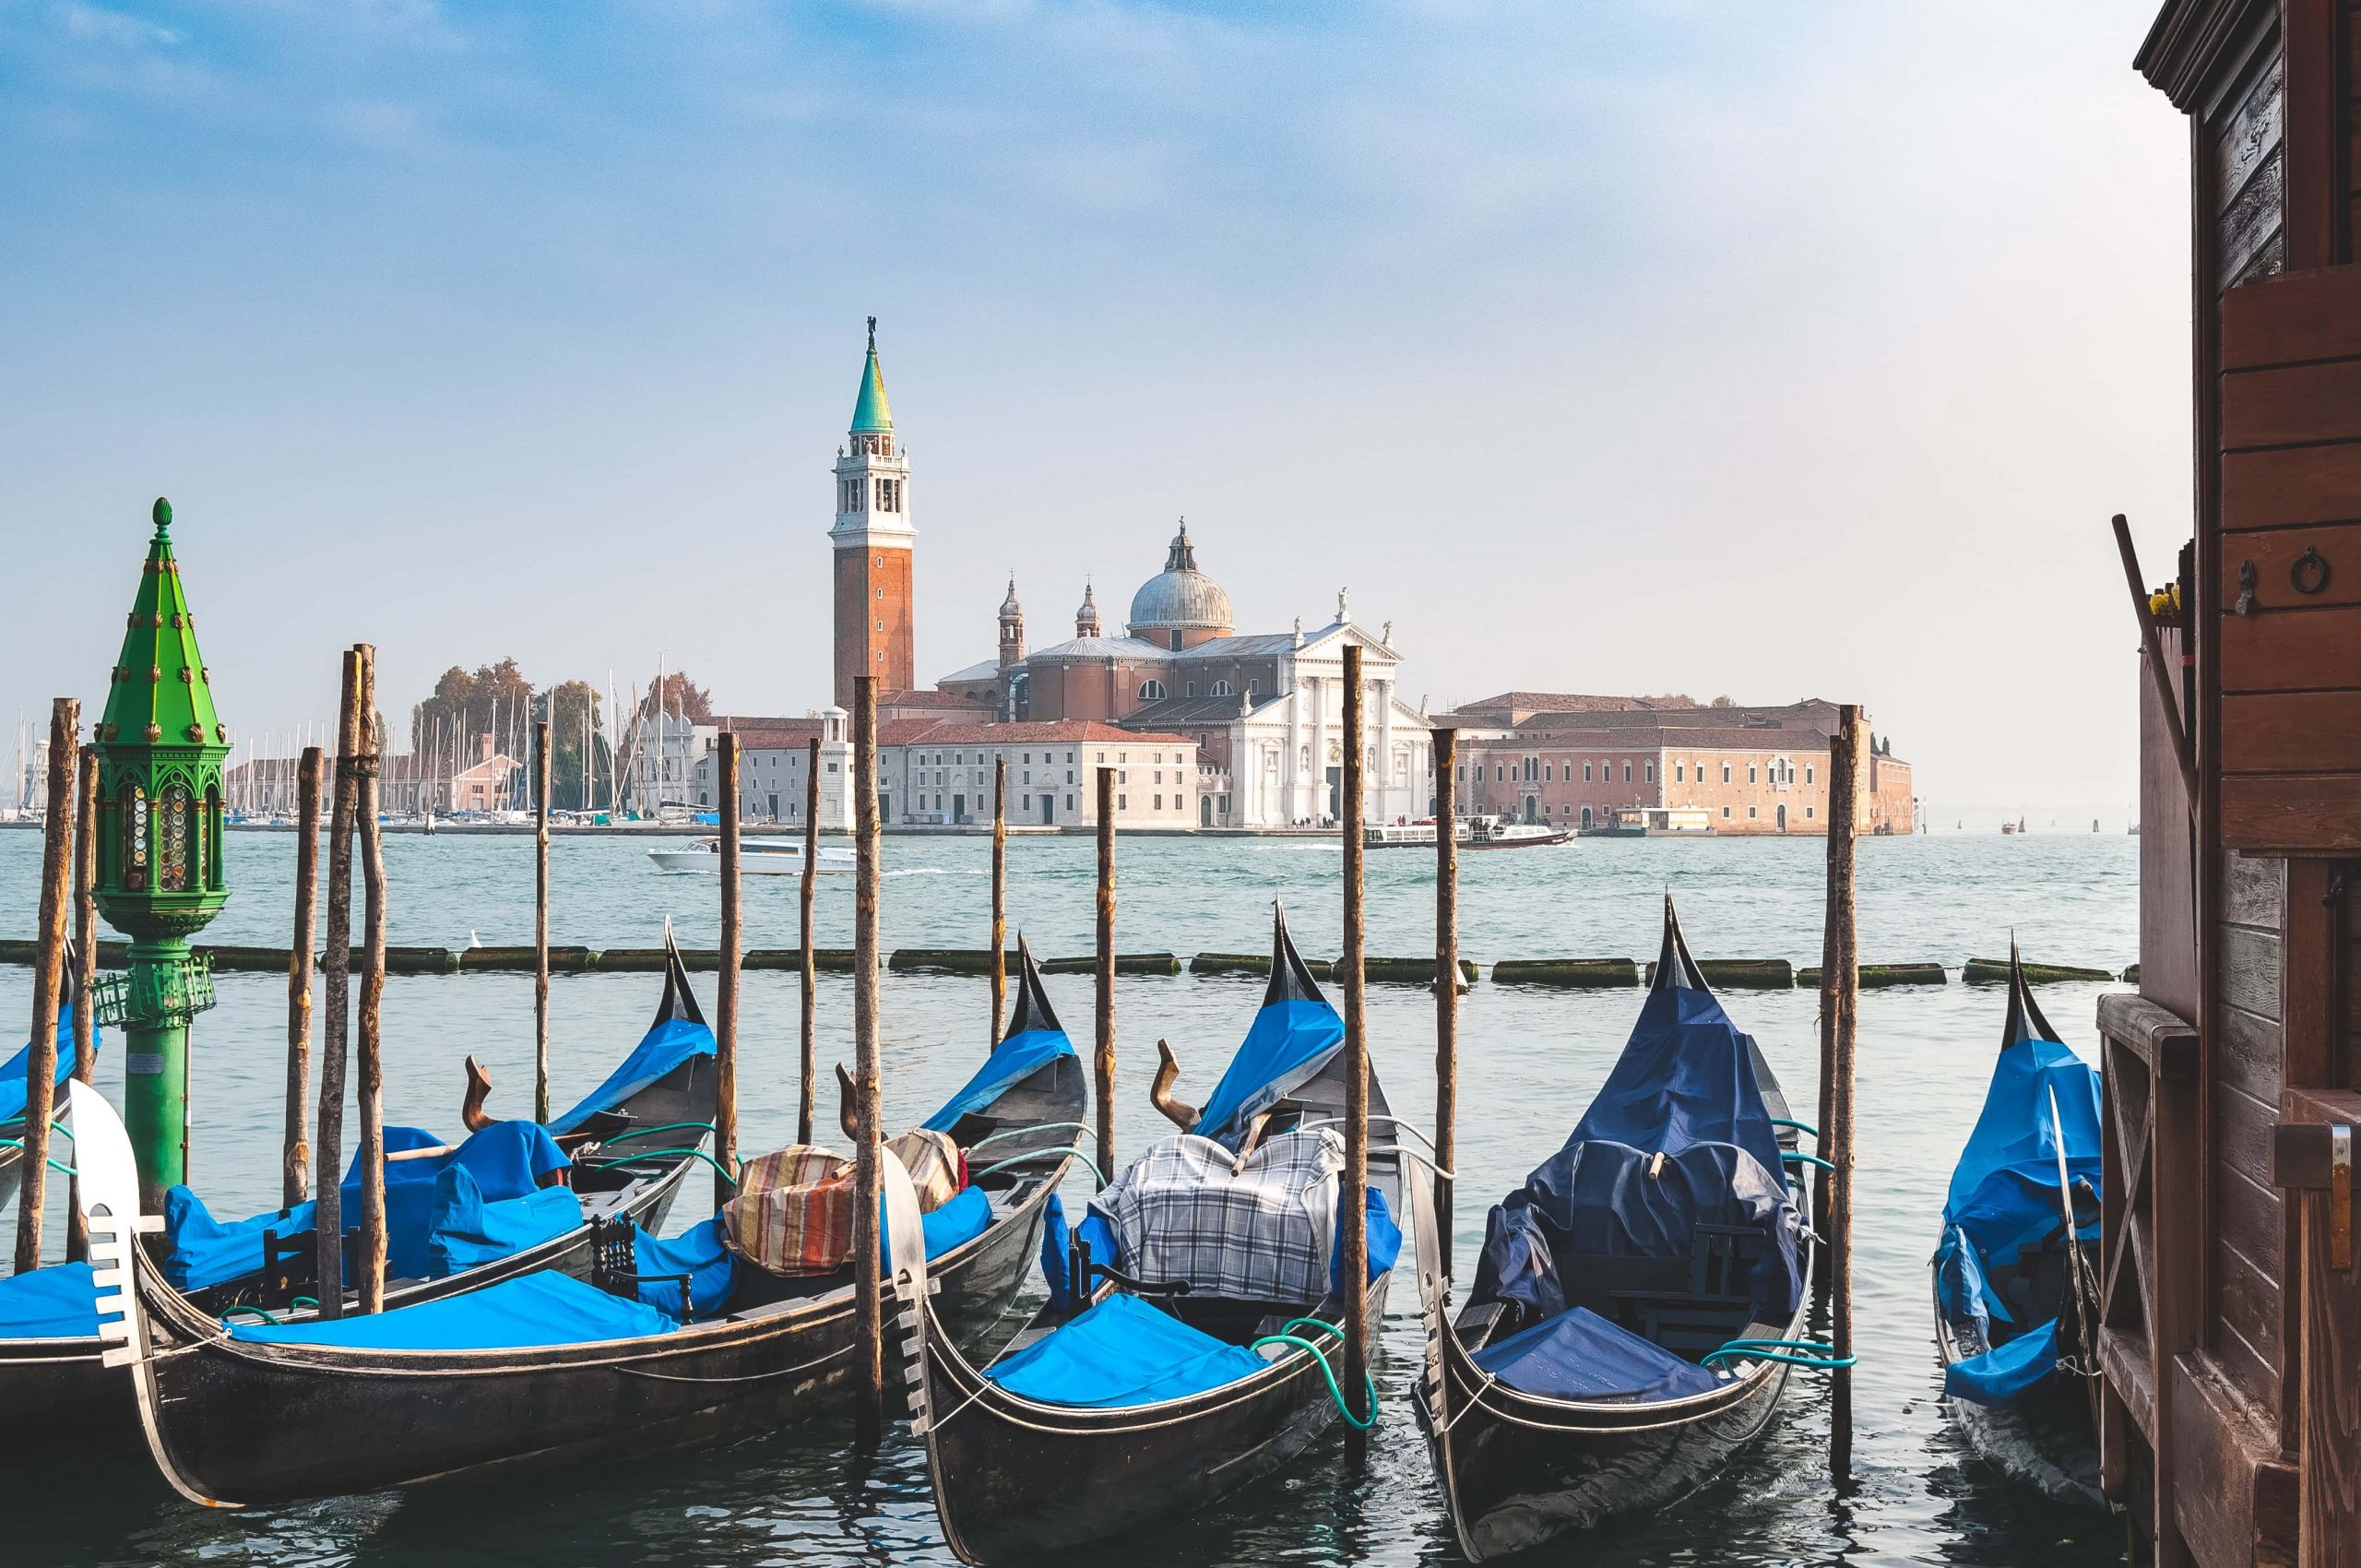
[1258, 1234]
[793, 1210]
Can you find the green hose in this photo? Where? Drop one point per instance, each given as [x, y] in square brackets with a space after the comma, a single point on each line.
[1336, 1392]
[651, 1132]
[63, 1169]
[1798, 1126]
[229, 1312]
[1794, 1158]
[662, 1153]
[1813, 1354]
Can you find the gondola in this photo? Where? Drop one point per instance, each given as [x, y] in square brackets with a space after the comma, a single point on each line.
[1639, 1302]
[669, 1344]
[2015, 1307]
[1138, 1391]
[633, 1141]
[14, 1087]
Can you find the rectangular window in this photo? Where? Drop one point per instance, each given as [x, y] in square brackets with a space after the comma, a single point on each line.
[2061, 1224]
[1025, 803]
[1549, 774]
[2061, 1218]
[1159, 806]
[1749, 812]
[1649, 771]
[1808, 780]
[1627, 778]
[1725, 778]
[1680, 776]
[1586, 779]
[1123, 804]
[1750, 779]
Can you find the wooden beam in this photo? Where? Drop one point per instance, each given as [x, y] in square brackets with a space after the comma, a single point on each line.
[48, 980]
[807, 966]
[1353, 1246]
[725, 1035]
[295, 1179]
[336, 999]
[1446, 759]
[1103, 1058]
[869, 1374]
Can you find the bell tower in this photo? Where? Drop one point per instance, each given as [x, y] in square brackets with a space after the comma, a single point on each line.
[872, 540]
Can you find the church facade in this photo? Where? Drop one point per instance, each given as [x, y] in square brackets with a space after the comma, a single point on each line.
[1266, 709]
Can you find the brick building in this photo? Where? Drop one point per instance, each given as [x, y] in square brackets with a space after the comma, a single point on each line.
[1599, 763]
[872, 540]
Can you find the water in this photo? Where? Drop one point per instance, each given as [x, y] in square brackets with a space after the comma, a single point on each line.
[1529, 1062]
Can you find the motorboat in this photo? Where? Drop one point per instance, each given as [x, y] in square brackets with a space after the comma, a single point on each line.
[756, 857]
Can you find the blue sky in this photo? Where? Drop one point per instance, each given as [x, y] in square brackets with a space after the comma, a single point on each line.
[1775, 351]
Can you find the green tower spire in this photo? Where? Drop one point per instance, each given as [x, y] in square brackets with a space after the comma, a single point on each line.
[161, 748]
[869, 411]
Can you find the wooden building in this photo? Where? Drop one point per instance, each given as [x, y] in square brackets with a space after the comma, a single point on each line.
[2231, 1344]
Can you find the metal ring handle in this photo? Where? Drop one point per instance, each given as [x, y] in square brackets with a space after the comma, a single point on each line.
[2309, 574]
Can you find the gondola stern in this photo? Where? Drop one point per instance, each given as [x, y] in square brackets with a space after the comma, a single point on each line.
[1676, 970]
[2025, 1021]
[1028, 1005]
[679, 1002]
[1291, 977]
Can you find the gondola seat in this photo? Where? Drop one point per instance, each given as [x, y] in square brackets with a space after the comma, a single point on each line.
[1122, 1352]
[536, 1309]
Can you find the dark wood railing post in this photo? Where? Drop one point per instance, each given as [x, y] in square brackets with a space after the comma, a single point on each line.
[725, 1035]
[1839, 1001]
[809, 964]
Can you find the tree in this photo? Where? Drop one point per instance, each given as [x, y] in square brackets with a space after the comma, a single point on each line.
[1723, 701]
[572, 710]
[679, 696]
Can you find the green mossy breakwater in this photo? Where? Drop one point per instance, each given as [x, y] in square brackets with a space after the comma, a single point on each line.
[1766, 974]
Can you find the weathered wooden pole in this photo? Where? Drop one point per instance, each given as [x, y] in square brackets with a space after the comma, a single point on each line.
[48, 980]
[725, 1034]
[86, 966]
[369, 1052]
[809, 966]
[541, 920]
[1353, 1249]
[999, 896]
[295, 1159]
[335, 984]
[1103, 1057]
[869, 1375]
[1446, 751]
[1839, 1000]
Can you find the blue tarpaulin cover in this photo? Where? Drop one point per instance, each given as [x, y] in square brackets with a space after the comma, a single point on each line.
[1057, 1256]
[542, 1308]
[507, 1159]
[467, 1229]
[57, 1302]
[662, 1048]
[1686, 1076]
[1012, 1061]
[702, 1253]
[963, 1218]
[1122, 1352]
[2004, 1196]
[12, 1072]
[1580, 1355]
[1385, 1239]
[1288, 1044]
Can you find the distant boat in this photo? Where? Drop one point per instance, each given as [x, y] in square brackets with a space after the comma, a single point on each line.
[1474, 833]
[756, 857]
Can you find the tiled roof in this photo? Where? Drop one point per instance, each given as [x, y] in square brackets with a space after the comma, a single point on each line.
[1035, 733]
[1102, 647]
[1563, 702]
[1197, 710]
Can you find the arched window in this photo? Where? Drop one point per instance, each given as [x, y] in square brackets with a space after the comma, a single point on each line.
[1221, 689]
[172, 846]
[1151, 691]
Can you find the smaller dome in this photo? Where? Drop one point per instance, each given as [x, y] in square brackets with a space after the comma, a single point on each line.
[1181, 598]
[1009, 609]
[1085, 620]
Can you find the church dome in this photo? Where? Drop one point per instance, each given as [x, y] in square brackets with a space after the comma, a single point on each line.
[1181, 598]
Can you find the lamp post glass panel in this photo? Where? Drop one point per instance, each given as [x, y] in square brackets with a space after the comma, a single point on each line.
[161, 877]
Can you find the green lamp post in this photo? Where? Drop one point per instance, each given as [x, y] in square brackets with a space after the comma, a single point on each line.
[161, 747]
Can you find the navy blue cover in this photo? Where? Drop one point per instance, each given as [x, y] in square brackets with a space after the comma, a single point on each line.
[2005, 1370]
[1057, 1256]
[672, 1041]
[1580, 1355]
[57, 1302]
[1122, 1352]
[1287, 1045]
[542, 1308]
[1686, 1076]
[13, 1088]
[701, 1252]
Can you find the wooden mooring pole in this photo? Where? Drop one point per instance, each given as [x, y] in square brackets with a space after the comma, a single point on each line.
[1353, 1247]
[49, 980]
[999, 896]
[1103, 1055]
[809, 967]
[541, 920]
[1839, 1002]
[725, 1034]
[368, 1035]
[336, 982]
[869, 1374]
[86, 966]
[1446, 754]
[295, 1151]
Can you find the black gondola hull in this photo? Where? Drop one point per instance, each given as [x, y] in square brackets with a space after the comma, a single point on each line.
[253, 1423]
[1013, 1479]
[2044, 1438]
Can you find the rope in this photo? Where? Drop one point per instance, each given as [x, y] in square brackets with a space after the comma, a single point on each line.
[1814, 1354]
[1335, 1392]
[661, 1153]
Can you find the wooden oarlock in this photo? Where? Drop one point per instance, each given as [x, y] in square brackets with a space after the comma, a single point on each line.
[49, 980]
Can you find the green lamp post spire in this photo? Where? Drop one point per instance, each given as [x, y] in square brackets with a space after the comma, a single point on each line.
[161, 747]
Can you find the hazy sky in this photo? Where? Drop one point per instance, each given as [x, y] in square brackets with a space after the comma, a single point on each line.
[1775, 350]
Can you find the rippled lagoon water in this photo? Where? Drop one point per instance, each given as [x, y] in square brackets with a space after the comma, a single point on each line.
[1530, 1060]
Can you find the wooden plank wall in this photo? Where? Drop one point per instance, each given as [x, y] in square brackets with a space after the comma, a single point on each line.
[2168, 855]
[2244, 1326]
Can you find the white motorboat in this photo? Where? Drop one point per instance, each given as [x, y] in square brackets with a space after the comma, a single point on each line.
[756, 857]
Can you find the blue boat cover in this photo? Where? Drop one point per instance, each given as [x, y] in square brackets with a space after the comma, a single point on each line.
[2004, 1197]
[467, 1230]
[57, 1302]
[701, 1252]
[963, 1218]
[542, 1308]
[12, 1072]
[1686, 1076]
[1580, 1355]
[1287, 1045]
[2006, 1370]
[1384, 1239]
[1122, 1352]
[1012, 1061]
[507, 1160]
[663, 1048]
[1057, 1256]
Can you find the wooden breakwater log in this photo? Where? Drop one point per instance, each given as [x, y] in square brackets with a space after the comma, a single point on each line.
[1579, 972]
[1876, 974]
[948, 961]
[1995, 972]
[835, 960]
[1253, 965]
[2130, 977]
[1740, 974]
[1414, 971]
[526, 960]
[1125, 964]
[111, 954]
